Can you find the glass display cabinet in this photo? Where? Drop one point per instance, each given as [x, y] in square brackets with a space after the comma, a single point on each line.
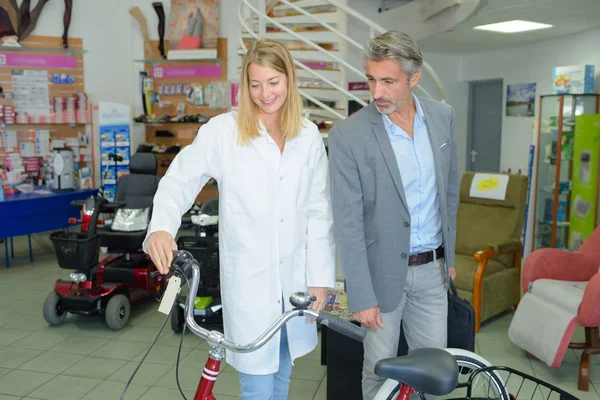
[555, 155]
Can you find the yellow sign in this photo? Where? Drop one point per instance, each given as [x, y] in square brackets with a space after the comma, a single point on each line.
[488, 184]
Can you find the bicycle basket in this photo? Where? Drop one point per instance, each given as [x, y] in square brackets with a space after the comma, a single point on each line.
[521, 386]
[75, 250]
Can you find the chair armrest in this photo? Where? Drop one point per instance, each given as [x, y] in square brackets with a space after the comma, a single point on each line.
[589, 313]
[485, 254]
[550, 263]
[507, 246]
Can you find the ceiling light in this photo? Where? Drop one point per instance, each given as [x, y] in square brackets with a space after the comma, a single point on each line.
[513, 26]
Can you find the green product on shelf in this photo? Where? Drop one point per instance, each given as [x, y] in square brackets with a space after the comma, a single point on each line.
[584, 195]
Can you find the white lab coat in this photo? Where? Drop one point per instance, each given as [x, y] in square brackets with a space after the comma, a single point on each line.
[275, 228]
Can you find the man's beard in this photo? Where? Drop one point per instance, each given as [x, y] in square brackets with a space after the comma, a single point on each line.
[394, 105]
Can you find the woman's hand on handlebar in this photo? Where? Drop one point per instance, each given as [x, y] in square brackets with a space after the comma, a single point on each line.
[321, 298]
[321, 294]
[160, 248]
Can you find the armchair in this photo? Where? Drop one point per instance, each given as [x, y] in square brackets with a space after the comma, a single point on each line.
[562, 290]
[488, 248]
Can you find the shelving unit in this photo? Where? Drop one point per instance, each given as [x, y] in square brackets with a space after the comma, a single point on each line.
[556, 140]
[183, 132]
[54, 59]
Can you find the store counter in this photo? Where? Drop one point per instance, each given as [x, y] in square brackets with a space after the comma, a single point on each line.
[39, 211]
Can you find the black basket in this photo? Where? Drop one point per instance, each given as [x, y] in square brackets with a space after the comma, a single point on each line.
[206, 251]
[520, 385]
[75, 250]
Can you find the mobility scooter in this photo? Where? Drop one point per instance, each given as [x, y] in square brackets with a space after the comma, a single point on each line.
[205, 248]
[126, 274]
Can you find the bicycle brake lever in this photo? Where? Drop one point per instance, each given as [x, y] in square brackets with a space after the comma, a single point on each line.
[181, 264]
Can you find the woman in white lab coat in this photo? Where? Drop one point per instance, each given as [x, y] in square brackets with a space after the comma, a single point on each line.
[275, 227]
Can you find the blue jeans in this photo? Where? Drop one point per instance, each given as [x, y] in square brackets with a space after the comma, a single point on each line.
[269, 387]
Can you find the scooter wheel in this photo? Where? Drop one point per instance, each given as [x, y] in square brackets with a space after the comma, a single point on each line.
[117, 312]
[53, 311]
[177, 318]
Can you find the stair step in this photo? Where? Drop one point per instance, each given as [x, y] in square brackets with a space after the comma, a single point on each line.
[325, 94]
[312, 36]
[307, 55]
[314, 55]
[303, 4]
[331, 74]
[330, 17]
[324, 114]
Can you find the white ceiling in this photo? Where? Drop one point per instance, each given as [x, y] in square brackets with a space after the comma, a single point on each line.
[567, 17]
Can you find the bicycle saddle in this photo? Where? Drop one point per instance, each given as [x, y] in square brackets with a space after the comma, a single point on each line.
[431, 371]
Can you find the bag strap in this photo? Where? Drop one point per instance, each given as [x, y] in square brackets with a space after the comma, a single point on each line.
[453, 287]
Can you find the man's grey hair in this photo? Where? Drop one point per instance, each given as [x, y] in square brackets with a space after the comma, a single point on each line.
[394, 45]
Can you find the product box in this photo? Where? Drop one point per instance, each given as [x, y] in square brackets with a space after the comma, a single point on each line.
[107, 138]
[573, 79]
[123, 152]
[110, 175]
[122, 170]
[122, 137]
[104, 152]
[110, 192]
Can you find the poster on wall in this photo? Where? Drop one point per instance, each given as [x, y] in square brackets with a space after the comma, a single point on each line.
[193, 24]
[520, 100]
[115, 138]
[30, 91]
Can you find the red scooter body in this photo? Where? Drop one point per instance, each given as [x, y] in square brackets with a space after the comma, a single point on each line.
[107, 287]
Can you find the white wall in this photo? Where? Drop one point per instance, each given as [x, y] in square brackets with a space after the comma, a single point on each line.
[528, 64]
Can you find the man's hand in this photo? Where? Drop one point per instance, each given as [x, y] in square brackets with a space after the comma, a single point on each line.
[452, 273]
[370, 318]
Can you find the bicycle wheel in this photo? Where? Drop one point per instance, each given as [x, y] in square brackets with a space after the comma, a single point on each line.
[487, 385]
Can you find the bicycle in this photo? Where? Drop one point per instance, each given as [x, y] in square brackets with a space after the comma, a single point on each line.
[423, 371]
[185, 266]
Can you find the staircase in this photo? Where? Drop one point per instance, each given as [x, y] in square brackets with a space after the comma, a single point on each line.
[316, 33]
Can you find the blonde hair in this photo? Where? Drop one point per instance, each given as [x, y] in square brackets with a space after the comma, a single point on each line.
[272, 54]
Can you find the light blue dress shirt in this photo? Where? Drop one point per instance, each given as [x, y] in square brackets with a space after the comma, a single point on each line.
[417, 170]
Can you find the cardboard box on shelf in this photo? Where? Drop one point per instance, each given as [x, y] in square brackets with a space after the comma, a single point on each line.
[573, 79]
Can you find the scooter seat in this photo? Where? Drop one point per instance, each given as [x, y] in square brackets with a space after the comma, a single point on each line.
[430, 371]
[125, 241]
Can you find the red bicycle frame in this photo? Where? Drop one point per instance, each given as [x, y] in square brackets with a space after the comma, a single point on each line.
[211, 372]
[405, 392]
[207, 382]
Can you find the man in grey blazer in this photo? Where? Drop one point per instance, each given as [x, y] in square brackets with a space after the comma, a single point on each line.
[394, 188]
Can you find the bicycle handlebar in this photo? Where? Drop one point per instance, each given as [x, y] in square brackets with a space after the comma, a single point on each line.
[184, 263]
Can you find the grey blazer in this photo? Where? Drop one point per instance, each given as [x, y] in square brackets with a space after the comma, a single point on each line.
[370, 212]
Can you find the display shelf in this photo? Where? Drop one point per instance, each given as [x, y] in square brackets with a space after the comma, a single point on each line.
[40, 124]
[169, 123]
[556, 161]
[156, 61]
[46, 53]
[183, 132]
[41, 50]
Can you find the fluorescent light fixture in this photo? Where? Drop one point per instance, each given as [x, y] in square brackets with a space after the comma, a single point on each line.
[513, 26]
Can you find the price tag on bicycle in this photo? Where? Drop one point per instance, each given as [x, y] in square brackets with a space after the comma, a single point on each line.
[170, 294]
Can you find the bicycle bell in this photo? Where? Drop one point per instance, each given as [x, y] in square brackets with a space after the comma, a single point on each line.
[301, 299]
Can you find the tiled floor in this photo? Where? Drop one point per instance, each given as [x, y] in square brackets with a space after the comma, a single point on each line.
[83, 359]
